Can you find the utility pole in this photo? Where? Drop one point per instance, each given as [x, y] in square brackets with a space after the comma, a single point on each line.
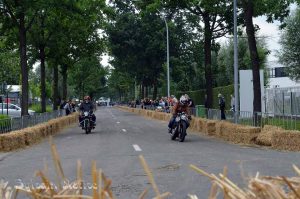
[168, 54]
[236, 68]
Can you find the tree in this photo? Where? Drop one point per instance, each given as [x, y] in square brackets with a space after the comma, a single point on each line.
[289, 55]
[217, 21]
[19, 15]
[137, 44]
[88, 76]
[225, 59]
[9, 59]
[274, 10]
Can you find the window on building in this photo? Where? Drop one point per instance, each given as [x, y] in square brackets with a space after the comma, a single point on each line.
[280, 72]
[277, 72]
[271, 72]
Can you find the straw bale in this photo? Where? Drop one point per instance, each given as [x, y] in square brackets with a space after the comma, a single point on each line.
[265, 137]
[151, 114]
[210, 127]
[286, 140]
[13, 140]
[32, 135]
[225, 129]
[201, 125]
[140, 111]
[242, 138]
[43, 129]
[167, 117]
[161, 116]
[193, 124]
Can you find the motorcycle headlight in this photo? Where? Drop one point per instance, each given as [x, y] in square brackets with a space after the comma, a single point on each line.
[86, 114]
[177, 119]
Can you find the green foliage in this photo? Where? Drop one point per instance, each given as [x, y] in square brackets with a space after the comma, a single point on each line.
[9, 61]
[88, 76]
[290, 42]
[225, 60]
[38, 109]
[199, 96]
[3, 117]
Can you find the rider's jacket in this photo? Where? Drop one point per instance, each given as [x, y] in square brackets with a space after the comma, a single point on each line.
[178, 108]
[86, 107]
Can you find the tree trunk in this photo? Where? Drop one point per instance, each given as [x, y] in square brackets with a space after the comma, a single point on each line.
[146, 91]
[64, 82]
[143, 91]
[248, 16]
[23, 62]
[43, 78]
[207, 52]
[55, 87]
[154, 90]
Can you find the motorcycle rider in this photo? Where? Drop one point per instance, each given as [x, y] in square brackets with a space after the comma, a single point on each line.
[180, 106]
[87, 106]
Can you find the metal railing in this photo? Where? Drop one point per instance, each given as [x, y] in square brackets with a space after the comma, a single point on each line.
[17, 123]
[289, 122]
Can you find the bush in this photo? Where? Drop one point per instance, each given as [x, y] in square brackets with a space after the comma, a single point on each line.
[3, 117]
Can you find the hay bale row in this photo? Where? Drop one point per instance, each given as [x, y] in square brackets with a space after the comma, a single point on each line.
[237, 133]
[210, 127]
[13, 141]
[265, 137]
[286, 140]
[31, 135]
[268, 136]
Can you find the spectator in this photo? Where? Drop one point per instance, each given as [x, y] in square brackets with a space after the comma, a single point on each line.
[68, 107]
[205, 102]
[191, 105]
[73, 104]
[63, 104]
[232, 103]
[222, 106]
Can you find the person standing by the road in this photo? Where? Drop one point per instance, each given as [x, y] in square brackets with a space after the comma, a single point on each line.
[232, 103]
[68, 107]
[191, 105]
[222, 106]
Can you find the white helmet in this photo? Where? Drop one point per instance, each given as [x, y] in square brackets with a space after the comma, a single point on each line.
[183, 99]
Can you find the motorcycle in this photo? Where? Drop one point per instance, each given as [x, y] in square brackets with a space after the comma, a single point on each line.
[87, 122]
[181, 124]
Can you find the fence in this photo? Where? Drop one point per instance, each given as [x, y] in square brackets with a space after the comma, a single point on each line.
[286, 121]
[17, 123]
[289, 122]
[283, 101]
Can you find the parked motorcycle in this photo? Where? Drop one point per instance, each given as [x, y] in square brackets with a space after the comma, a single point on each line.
[87, 123]
[181, 124]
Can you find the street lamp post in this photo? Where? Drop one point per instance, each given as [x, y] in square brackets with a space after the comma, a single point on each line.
[236, 69]
[168, 54]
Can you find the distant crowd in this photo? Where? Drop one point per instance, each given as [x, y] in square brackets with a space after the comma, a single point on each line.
[162, 104]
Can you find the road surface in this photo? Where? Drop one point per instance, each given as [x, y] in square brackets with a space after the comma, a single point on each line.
[118, 140]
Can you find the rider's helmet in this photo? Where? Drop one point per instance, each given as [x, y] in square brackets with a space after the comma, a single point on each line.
[87, 98]
[183, 100]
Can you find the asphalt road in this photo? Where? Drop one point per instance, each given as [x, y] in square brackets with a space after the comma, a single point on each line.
[118, 140]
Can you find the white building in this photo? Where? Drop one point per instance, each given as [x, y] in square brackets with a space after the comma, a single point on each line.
[278, 78]
[282, 96]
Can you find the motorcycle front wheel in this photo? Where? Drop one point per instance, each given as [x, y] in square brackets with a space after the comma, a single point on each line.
[182, 131]
[174, 133]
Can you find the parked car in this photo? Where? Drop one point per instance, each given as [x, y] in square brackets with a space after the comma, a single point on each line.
[13, 110]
